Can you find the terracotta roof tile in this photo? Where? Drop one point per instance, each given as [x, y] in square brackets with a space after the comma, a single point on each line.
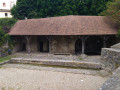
[64, 25]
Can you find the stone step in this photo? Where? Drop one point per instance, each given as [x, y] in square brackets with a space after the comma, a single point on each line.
[66, 63]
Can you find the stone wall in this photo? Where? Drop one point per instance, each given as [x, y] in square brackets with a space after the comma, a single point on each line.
[34, 44]
[63, 44]
[113, 83]
[18, 43]
[110, 58]
[16, 47]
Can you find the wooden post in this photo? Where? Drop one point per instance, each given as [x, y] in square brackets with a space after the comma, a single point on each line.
[104, 42]
[83, 47]
[50, 43]
[50, 46]
[28, 38]
[105, 38]
[83, 39]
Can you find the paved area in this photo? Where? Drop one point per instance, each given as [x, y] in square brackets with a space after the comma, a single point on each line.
[26, 77]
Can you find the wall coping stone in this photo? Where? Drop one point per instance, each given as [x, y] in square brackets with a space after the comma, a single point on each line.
[116, 46]
[111, 49]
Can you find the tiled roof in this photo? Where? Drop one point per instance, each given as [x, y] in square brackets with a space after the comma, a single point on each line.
[65, 25]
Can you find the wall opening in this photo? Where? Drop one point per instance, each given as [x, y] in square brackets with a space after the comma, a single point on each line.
[43, 44]
[23, 47]
[78, 46]
[6, 14]
[4, 4]
[111, 41]
[93, 45]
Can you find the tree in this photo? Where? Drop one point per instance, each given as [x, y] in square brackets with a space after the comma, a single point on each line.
[7, 23]
[113, 11]
[49, 8]
[3, 37]
[5, 26]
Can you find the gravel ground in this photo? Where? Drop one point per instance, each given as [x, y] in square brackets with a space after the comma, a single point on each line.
[29, 79]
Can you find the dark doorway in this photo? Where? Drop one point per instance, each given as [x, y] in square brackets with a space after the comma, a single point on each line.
[23, 47]
[111, 41]
[78, 46]
[93, 45]
[41, 46]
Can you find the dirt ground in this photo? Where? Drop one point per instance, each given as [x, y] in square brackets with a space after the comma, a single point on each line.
[29, 79]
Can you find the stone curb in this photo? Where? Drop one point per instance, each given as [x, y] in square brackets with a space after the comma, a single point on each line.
[5, 62]
[68, 63]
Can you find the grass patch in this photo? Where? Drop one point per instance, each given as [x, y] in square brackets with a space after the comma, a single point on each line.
[9, 88]
[117, 65]
[80, 58]
[3, 59]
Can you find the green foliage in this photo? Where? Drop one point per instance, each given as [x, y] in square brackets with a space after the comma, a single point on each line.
[7, 23]
[49, 8]
[3, 37]
[5, 26]
[3, 59]
[113, 11]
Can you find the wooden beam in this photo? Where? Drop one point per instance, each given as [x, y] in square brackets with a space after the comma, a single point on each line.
[83, 39]
[105, 38]
[28, 38]
[50, 43]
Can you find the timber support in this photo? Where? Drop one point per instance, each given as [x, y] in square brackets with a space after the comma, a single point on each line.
[50, 43]
[28, 38]
[105, 38]
[83, 39]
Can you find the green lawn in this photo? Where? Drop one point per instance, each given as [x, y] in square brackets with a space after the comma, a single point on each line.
[2, 59]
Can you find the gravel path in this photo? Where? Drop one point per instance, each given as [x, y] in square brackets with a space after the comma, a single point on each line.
[29, 79]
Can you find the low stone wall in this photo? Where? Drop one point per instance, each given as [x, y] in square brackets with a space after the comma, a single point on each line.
[110, 58]
[65, 63]
[113, 83]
